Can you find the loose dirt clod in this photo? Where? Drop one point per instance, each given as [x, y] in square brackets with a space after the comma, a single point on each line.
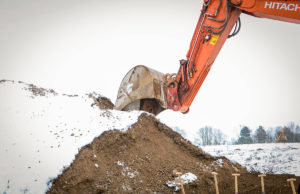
[101, 101]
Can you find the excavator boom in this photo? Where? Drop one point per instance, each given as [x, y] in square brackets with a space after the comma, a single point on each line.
[218, 19]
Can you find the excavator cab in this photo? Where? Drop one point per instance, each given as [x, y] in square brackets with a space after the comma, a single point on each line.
[143, 88]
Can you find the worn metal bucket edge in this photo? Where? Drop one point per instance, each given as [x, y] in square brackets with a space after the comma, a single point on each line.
[139, 83]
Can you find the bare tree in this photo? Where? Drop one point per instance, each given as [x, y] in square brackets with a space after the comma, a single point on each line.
[270, 138]
[209, 136]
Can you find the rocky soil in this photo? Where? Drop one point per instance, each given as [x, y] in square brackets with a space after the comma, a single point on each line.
[144, 159]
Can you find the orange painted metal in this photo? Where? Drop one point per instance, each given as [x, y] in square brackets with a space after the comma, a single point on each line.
[283, 10]
[213, 28]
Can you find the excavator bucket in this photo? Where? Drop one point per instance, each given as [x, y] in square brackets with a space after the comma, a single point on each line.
[142, 88]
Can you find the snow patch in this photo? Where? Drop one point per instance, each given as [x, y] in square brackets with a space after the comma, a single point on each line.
[39, 126]
[120, 163]
[186, 179]
[127, 171]
[277, 158]
[219, 162]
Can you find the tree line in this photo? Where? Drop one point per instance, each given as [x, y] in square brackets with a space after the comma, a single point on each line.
[210, 136]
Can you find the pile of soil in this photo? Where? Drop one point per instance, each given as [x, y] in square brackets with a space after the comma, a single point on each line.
[143, 159]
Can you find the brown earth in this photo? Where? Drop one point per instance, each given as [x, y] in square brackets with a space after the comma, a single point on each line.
[142, 159]
[101, 101]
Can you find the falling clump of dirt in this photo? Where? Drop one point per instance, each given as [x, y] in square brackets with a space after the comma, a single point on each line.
[33, 89]
[101, 101]
[38, 91]
[4, 80]
[142, 159]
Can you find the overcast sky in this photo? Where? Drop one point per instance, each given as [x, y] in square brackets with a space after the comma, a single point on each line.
[76, 46]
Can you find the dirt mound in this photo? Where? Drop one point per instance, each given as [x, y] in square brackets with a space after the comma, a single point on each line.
[142, 159]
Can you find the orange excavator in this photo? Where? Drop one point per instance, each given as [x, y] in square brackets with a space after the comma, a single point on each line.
[146, 89]
[281, 135]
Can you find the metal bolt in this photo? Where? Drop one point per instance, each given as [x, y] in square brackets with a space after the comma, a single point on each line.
[207, 37]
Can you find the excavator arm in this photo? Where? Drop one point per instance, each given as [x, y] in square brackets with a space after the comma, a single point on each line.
[216, 22]
[214, 25]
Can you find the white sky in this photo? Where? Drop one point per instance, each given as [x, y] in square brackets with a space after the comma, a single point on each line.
[76, 46]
